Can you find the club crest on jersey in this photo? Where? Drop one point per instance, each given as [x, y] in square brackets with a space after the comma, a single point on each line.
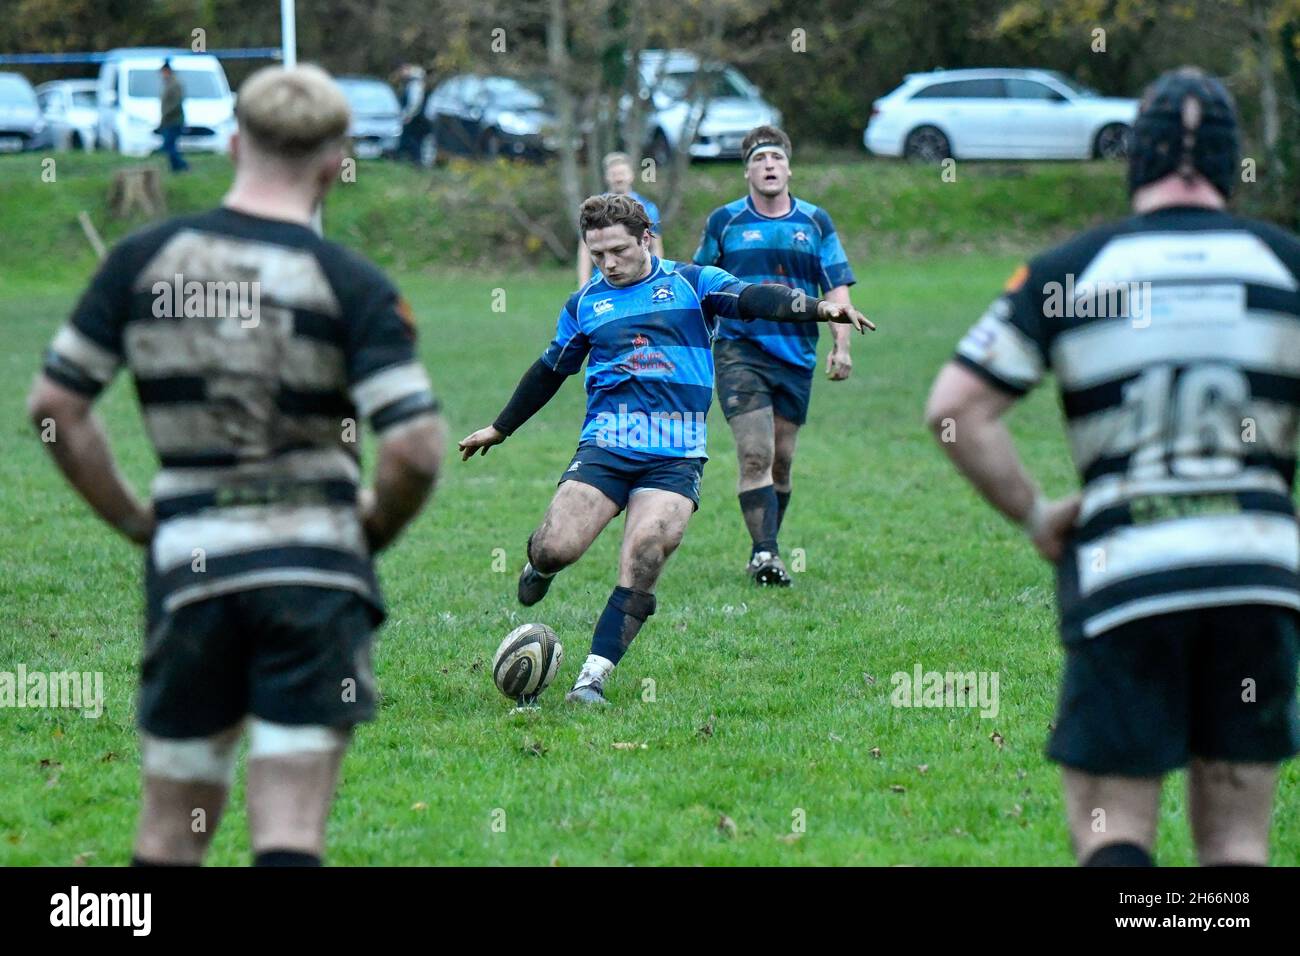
[800, 236]
[602, 306]
[752, 235]
[662, 293]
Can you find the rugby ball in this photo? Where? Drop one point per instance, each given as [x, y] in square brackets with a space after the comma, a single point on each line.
[526, 662]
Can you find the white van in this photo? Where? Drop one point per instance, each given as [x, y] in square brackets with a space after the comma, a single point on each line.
[129, 109]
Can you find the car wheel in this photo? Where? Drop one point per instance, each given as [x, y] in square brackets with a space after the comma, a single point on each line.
[428, 151]
[660, 150]
[75, 141]
[1111, 142]
[491, 145]
[927, 144]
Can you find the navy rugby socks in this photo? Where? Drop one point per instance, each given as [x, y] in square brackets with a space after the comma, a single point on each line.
[619, 623]
[761, 509]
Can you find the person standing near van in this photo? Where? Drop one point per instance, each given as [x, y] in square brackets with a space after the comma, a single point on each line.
[173, 117]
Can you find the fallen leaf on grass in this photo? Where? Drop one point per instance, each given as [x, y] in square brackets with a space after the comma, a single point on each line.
[897, 788]
[923, 768]
[534, 748]
[996, 738]
[869, 679]
[875, 752]
[707, 729]
[835, 737]
[628, 745]
[81, 858]
[419, 807]
[790, 838]
[726, 825]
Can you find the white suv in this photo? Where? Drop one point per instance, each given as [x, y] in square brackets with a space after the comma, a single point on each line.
[129, 87]
[998, 114]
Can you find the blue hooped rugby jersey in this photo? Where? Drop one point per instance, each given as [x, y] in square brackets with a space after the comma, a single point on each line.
[649, 357]
[799, 249]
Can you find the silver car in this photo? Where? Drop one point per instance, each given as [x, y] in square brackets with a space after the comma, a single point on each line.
[376, 116]
[71, 110]
[21, 124]
[733, 106]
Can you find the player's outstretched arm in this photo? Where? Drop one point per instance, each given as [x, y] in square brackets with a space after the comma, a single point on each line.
[783, 304]
[537, 387]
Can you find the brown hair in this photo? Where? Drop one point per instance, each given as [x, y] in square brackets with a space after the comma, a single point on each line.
[600, 212]
[292, 113]
[764, 136]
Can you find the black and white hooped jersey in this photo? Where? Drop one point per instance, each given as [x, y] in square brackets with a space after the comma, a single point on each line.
[256, 347]
[1174, 337]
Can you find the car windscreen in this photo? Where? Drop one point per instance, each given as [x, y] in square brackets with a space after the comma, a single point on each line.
[511, 95]
[371, 98]
[677, 86]
[14, 91]
[197, 84]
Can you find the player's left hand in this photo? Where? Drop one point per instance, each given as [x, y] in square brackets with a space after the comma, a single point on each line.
[838, 312]
[838, 365]
[479, 441]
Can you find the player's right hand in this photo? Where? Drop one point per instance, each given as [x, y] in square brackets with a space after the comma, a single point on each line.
[483, 439]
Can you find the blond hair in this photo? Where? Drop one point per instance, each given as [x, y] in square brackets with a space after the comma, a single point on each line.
[292, 113]
[616, 159]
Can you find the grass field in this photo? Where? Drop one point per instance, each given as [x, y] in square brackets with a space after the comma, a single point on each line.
[765, 704]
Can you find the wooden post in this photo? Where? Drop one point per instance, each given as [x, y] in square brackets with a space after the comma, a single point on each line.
[137, 187]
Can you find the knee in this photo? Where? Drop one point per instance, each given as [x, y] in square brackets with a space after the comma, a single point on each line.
[646, 564]
[781, 472]
[548, 553]
[185, 787]
[755, 462]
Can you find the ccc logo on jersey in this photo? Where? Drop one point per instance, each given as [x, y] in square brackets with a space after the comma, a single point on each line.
[662, 293]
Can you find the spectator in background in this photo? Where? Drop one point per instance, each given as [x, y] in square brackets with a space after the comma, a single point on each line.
[619, 177]
[414, 126]
[173, 117]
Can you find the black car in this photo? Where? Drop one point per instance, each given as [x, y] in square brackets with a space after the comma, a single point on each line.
[489, 116]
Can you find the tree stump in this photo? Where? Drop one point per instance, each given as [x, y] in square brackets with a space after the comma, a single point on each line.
[137, 188]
